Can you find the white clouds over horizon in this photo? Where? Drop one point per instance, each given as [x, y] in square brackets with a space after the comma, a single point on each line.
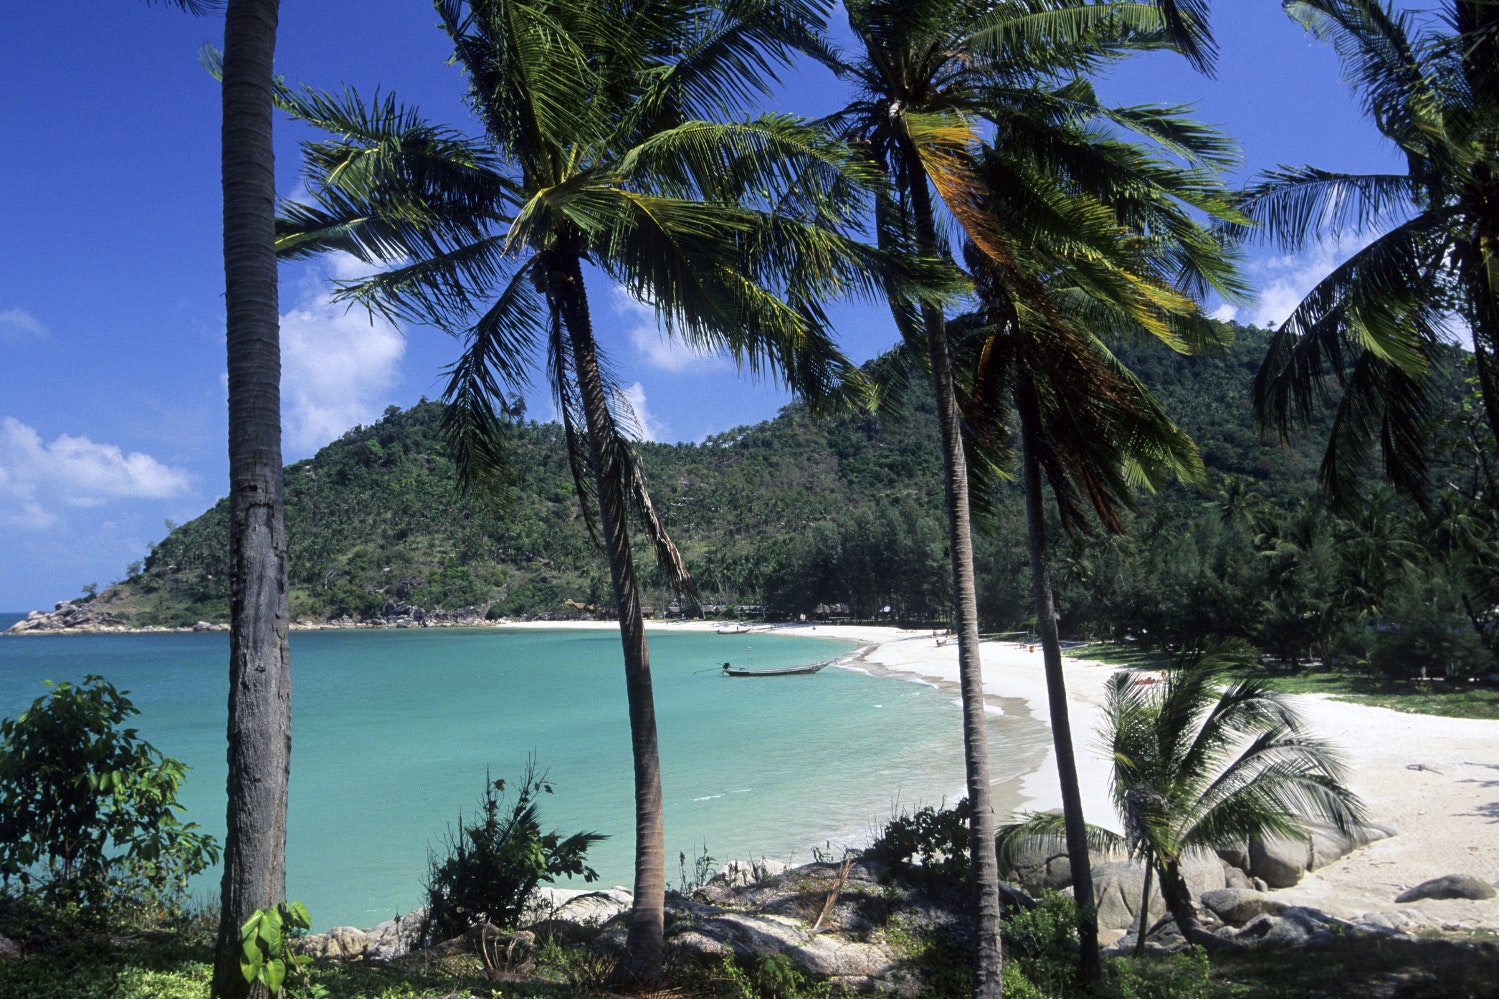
[647, 426]
[37, 478]
[338, 364]
[1284, 280]
[16, 324]
[653, 345]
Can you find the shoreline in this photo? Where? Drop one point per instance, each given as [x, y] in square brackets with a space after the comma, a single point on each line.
[1434, 779]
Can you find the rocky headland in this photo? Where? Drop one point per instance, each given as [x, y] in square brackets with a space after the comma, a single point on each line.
[70, 617]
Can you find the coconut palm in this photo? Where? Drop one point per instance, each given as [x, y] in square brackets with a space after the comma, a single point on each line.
[597, 149]
[1430, 83]
[1101, 243]
[259, 657]
[929, 73]
[1203, 761]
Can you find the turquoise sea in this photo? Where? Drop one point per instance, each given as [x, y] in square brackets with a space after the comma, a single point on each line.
[393, 731]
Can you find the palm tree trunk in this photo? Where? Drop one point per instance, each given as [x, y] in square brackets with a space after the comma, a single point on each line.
[259, 659]
[989, 963]
[640, 965]
[1145, 903]
[1178, 899]
[1056, 687]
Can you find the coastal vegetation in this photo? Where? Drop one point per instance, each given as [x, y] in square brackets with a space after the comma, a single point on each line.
[1373, 326]
[1202, 762]
[487, 871]
[611, 139]
[604, 147]
[800, 512]
[88, 809]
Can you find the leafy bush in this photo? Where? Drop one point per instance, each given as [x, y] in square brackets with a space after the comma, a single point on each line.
[492, 866]
[1175, 976]
[267, 955]
[935, 840]
[88, 810]
[1042, 944]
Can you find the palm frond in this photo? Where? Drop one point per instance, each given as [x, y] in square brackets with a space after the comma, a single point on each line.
[1046, 830]
[1294, 204]
[1371, 327]
[1064, 38]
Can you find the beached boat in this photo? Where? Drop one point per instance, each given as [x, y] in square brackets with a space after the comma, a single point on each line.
[742, 629]
[776, 671]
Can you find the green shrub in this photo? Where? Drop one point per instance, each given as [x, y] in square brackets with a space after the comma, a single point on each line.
[492, 866]
[933, 840]
[268, 957]
[1042, 944]
[88, 810]
[770, 976]
[1174, 976]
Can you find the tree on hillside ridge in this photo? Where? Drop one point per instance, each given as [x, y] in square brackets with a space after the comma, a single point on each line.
[598, 149]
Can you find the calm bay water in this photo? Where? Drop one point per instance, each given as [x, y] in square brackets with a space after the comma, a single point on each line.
[393, 730]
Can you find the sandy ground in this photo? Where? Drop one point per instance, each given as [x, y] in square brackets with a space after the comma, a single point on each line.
[1435, 780]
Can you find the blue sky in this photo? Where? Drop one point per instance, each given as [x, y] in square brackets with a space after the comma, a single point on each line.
[112, 397]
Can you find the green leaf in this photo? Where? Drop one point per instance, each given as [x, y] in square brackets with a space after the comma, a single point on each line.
[274, 975]
[298, 916]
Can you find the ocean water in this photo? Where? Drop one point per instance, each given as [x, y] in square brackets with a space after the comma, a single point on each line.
[393, 731]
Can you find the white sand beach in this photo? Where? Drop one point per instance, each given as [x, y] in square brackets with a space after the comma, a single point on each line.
[1435, 780]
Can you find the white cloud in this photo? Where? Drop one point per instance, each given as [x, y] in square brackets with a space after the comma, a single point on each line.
[37, 478]
[18, 323]
[338, 364]
[653, 345]
[647, 426]
[1285, 280]
[1225, 313]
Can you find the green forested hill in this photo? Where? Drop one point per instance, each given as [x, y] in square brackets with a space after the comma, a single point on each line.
[792, 513]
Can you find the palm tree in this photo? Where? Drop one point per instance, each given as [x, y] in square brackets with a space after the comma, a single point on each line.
[928, 72]
[596, 150]
[1082, 213]
[1203, 761]
[1376, 323]
[259, 657]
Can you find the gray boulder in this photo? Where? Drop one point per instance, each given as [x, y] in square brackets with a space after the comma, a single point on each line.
[1117, 887]
[1449, 886]
[1239, 906]
[1390, 924]
[1329, 845]
[1236, 856]
[1233, 877]
[1293, 926]
[572, 916]
[395, 937]
[747, 934]
[1039, 867]
[9, 949]
[342, 943]
[1204, 872]
[1280, 863]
